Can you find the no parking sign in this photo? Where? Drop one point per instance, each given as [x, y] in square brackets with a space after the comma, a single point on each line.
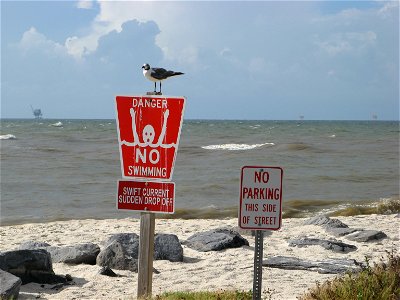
[260, 206]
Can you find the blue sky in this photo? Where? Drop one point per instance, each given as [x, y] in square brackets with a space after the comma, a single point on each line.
[335, 60]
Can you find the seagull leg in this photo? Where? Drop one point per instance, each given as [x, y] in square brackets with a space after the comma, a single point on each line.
[155, 87]
[160, 87]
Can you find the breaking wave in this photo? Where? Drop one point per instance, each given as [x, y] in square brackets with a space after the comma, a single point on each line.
[58, 124]
[8, 137]
[234, 147]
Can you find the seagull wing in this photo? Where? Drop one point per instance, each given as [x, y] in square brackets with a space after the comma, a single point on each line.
[160, 73]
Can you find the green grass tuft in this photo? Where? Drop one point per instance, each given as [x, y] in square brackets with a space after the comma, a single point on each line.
[381, 282]
[204, 295]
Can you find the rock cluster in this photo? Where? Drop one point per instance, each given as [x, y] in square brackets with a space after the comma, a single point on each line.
[334, 266]
[338, 229]
[32, 261]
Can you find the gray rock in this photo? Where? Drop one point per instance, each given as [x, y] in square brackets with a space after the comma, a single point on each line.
[366, 236]
[328, 266]
[338, 232]
[106, 271]
[167, 247]
[30, 266]
[334, 245]
[337, 228]
[32, 245]
[115, 256]
[323, 220]
[215, 240]
[10, 284]
[68, 277]
[129, 242]
[76, 254]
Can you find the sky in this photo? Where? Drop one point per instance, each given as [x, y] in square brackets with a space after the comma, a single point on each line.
[262, 60]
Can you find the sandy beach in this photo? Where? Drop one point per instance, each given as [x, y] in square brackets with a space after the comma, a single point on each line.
[227, 269]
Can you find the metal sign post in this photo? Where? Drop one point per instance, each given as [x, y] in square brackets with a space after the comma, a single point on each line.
[258, 256]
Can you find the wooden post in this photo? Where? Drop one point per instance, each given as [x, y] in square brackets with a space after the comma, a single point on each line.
[146, 254]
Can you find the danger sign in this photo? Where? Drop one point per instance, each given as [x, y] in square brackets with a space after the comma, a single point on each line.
[148, 131]
[146, 196]
[260, 198]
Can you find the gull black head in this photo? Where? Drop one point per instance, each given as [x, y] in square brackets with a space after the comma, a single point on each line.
[146, 67]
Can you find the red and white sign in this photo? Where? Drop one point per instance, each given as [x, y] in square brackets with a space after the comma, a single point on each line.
[260, 198]
[146, 196]
[148, 133]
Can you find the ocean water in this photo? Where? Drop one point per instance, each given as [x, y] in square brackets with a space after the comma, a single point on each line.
[68, 169]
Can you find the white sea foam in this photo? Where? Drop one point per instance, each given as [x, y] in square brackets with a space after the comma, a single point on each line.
[7, 137]
[255, 126]
[233, 147]
[58, 124]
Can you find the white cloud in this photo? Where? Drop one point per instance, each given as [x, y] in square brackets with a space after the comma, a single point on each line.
[388, 9]
[347, 42]
[85, 4]
[32, 39]
[174, 38]
[79, 47]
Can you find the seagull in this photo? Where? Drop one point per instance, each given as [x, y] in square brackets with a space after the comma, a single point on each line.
[157, 75]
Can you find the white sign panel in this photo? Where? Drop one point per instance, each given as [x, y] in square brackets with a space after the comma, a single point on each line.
[260, 205]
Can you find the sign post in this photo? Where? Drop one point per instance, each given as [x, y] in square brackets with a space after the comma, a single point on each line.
[260, 208]
[148, 136]
[146, 252]
[258, 256]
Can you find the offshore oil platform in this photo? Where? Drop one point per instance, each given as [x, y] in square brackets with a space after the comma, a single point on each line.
[37, 112]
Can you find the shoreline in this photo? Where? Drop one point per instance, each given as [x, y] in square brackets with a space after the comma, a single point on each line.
[300, 208]
[227, 269]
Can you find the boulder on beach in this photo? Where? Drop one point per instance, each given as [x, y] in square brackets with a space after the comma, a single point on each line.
[327, 266]
[366, 236]
[33, 245]
[84, 253]
[338, 232]
[76, 254]
[30, 266]
[116, 256]
[336, 246]
[128, 241]
[215, 240]
[323, 220]
[10, 284]
[166, 246]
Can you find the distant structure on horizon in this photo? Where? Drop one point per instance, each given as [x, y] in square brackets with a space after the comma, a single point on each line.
[374, 117]
[301, 117]
[37, 112]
